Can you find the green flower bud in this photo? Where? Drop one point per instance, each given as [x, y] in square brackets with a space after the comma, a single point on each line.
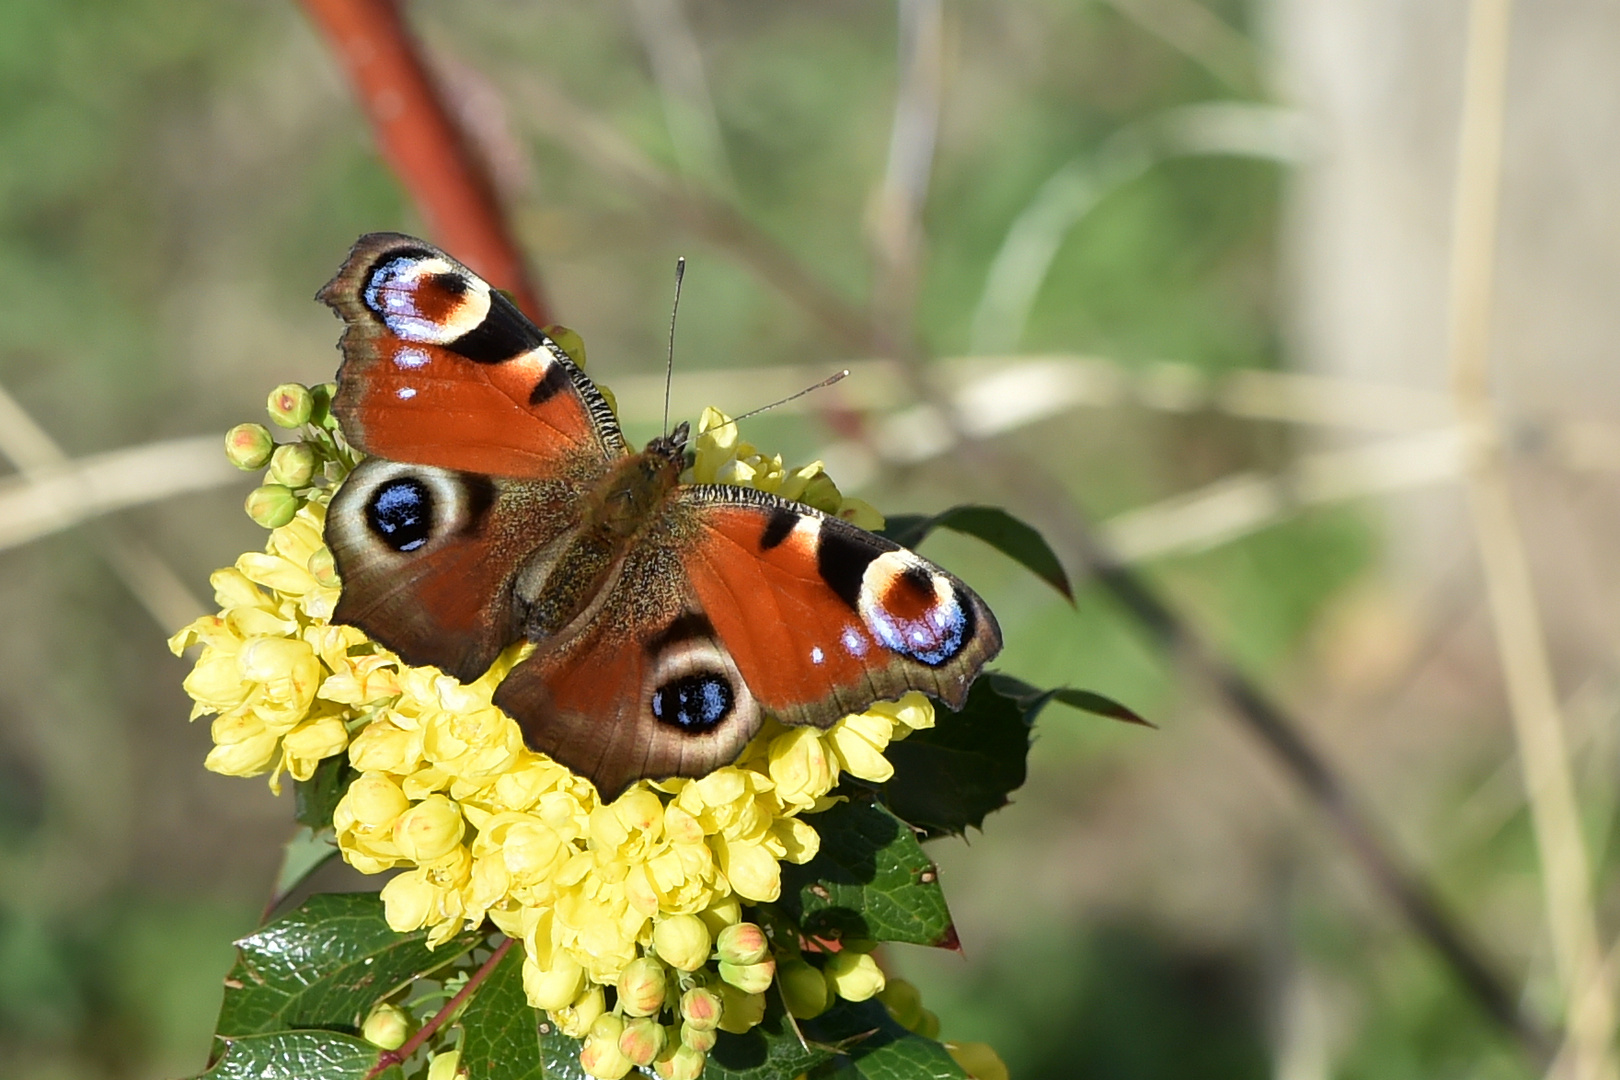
[927, 1025]
[903, 1002]
[323, 568]
[569, 342]
[749, 978]
[293, 464]
[855, 976]
[320, 404]
[978, 1060]
[601, 1056]
[700, 1008]
[744, 943]
[641, 987]
[682, 942]
[698, 1039]
[803, 988]
[290, 404]
[387, 1027]
[739, 1011]
[446, 1066]
[249, 446]
[271, 505]
[642, 1040]
[681, 1063]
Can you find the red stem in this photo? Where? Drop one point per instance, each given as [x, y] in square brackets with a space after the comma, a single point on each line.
[389, 1058]
[422, 143]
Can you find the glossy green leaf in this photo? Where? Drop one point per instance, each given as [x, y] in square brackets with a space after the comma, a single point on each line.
[559, 1055]
[297, 1055]
[876, 1048]
[1014, 538]
[770, 1051]
[870, 880]
[1035, 699]
[324, 965]
[500, 1030]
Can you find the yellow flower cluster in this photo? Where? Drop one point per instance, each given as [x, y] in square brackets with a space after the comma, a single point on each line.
[643, 894]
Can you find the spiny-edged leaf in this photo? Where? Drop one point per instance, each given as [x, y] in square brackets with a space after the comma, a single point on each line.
[1034, 699]
[297, 1055]
[315, 799]
[876, 1048]
[870, 880]
[948, 777]
[559, 1055]
[500, 1030]
[1014, 538]
[324, 965]
[304, 853]
[769, 1051]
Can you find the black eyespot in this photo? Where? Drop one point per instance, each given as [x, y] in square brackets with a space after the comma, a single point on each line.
[694, 703]
[400, 513]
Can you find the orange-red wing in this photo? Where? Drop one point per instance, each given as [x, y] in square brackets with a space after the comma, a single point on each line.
[824, 618]
[441, 369]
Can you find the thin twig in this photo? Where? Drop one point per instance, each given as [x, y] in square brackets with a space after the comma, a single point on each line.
[1537, 721]
[389, 1058]
[420, 140]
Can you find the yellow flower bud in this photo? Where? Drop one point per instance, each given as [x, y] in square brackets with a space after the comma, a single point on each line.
[601, 1057]
[408, 901]
[290, 404]
[800, 766]
[744, 943]
[429, 830]
[555, 988]
[323, 568]
[372, 800]
[700, 1009]
[641, 987]
[681, 1063]
[978, 1060]
[749, 978]
[316, 739]
[803, 988]
[739, 1011]
[387, 1027]
[293, 464]
[903, 1002]
[699, 1039]
[855, 976]
[682, 942]
[249, 446]
[642, 1040]
[446, 1066]
[271, 505]
[575, 1020]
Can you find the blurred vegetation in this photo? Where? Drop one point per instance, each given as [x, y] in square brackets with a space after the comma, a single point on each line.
[178, 177]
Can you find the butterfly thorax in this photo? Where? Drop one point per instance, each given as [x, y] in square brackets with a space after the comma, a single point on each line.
[628, 499]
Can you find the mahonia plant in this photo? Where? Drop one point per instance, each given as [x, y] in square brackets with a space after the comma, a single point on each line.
[721, 927]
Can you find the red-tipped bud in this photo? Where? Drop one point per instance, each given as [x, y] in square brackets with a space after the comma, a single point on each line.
[290, 405]
[642, 1040]
[249, 446]
[641, 987]
[701, 1008]
[744, 943]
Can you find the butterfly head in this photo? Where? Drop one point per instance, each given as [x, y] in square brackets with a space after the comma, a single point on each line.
[671, 447]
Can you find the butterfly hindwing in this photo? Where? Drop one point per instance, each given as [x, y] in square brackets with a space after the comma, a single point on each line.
[441, 369]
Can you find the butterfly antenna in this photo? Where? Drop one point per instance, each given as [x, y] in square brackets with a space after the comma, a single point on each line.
[669, 366]
[828, 381]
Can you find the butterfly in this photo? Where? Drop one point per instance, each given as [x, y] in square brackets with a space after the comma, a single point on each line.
[499, 501]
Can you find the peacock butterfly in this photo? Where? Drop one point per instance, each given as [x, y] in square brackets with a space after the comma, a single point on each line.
[499, 501]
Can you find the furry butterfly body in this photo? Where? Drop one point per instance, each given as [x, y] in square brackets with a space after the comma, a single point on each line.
[500, 502]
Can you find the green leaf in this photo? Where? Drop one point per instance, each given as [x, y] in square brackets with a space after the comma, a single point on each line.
[1014, 538]
[877, 1048]
[315, 799]
[324, 965]
[870, 880]
[306, 851]
[500, 1030]
[297, 1055]
[559, 1055]
[1035, 699]
[948, 777]
[769, 1051]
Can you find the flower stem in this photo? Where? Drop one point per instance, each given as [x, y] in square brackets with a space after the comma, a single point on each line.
[389, 1058]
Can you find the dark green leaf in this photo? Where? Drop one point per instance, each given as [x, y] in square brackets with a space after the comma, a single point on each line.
[304, 853]
[870, 880]
[297, 1055]
[770, 1051]
[325, 965]
[949, 776]
[500, 1030]
[560, 1054]
[877, 1048]
[1007, 534]
[315, 799]
[1034, 699]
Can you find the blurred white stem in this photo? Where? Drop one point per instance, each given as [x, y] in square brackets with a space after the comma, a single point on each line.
[683, 89]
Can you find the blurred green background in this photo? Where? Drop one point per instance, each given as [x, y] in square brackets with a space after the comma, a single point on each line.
[1181, 196]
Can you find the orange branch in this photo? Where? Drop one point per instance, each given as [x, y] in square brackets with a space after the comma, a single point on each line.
[422, 143]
